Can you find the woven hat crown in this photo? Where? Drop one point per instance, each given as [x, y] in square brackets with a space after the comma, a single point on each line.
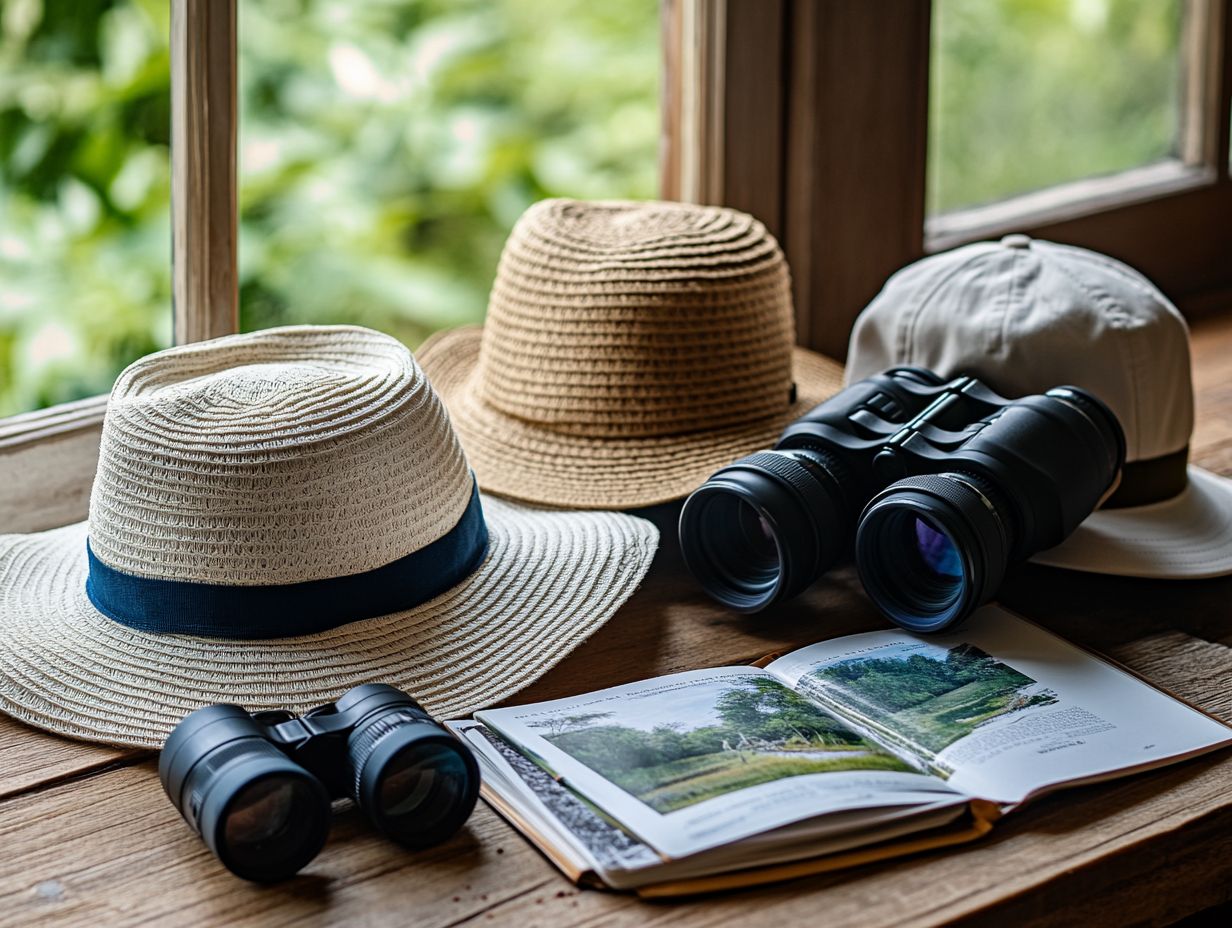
[638, 319]
[283, 456]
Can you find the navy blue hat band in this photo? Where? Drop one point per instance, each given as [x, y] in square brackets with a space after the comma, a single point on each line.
[182, 607]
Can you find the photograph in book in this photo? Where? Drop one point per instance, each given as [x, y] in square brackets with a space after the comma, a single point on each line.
[926, 695]
[729, 735]
[609, 844]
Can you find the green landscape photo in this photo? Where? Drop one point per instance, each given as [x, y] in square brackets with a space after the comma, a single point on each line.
[924, 696]
[712, 739]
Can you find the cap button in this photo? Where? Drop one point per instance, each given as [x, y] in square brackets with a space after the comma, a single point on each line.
[1017, 240]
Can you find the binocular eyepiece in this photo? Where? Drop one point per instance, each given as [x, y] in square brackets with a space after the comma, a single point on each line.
[258, 787]
[937, 486]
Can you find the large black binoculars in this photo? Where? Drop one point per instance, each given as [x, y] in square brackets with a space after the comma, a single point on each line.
[257, 787]
[937, 485]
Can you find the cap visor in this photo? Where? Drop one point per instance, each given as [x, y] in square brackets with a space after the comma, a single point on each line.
[549, 581]
[1188, 537]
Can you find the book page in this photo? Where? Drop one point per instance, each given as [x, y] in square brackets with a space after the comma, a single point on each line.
[581, 840]
[587, 839]
[698, 759]
[1000, 707]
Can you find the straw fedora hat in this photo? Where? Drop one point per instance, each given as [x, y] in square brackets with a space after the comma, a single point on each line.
[630, 349]
[277, 517]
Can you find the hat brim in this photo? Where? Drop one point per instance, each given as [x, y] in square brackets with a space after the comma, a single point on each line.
[522, 461]
[549, 581]
[1188, 537]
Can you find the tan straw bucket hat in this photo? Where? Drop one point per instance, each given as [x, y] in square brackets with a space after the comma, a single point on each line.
[277, 517]
[630, 349]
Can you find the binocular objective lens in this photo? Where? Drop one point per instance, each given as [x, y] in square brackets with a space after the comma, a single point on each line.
[930, 567]
[764, 528]
[757, 536]
[931, 549]
[421, 785]
[270, 821]
[739, 542]
[912, 568]
[937, 550]
[416, 782]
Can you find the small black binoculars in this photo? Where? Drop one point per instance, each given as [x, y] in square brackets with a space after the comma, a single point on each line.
[936, 486]
[257, 787]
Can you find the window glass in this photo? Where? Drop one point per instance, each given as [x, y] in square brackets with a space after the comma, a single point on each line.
[1026, 94]
[85, 277]
[387, 146]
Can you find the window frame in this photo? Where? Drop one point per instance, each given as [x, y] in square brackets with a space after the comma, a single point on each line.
[846, 128]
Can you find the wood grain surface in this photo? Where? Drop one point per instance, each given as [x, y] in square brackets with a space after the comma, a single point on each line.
[88, 837]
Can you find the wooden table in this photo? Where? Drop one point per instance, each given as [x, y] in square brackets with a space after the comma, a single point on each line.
[88, 838]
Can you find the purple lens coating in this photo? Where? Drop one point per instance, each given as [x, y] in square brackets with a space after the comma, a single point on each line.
[937, 550]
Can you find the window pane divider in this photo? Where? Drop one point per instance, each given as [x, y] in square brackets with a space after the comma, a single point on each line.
[722, 103]
[1205, 97]
[204, 121]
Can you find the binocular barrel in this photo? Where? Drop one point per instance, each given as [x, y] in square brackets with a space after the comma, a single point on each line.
[261, 814]
[936, 486]
[258, 788]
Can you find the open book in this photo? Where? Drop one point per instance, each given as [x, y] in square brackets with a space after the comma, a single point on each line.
[848, 750]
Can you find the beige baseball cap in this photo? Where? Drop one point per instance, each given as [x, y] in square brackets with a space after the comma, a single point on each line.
[1025, 315]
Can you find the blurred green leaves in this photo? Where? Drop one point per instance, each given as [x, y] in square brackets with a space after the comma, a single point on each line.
[387, 146]
[85, 276]
[1026, 94]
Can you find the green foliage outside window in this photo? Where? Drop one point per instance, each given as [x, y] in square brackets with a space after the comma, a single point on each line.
[85, 253]
[386, 147]
[1026, 94]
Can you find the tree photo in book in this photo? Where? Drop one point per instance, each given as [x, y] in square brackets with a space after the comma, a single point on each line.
[924, 695]
[738, 734]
